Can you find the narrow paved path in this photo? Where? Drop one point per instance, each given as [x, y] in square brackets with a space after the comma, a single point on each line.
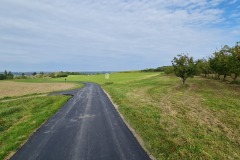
[86, 128]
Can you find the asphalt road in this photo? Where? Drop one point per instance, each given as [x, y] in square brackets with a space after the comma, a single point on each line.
[87, 127]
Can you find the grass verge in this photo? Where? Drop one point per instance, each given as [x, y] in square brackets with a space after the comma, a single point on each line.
[20, 118]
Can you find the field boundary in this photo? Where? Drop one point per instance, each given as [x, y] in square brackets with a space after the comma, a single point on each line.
[17, 98]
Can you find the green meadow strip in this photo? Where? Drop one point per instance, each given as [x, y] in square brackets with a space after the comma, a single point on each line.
[20, 118]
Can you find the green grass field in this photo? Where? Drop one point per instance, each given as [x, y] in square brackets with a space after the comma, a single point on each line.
[198, 121]
[113, 78]
[100, 78]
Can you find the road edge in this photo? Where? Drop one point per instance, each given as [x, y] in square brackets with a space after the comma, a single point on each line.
[138, 138]
[12, 153]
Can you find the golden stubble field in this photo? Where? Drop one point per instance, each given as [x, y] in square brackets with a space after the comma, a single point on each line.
[9, 88]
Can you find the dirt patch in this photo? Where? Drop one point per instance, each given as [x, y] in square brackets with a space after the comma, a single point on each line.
[9, 89]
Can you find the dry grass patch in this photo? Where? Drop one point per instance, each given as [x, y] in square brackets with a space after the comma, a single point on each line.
[9, 89]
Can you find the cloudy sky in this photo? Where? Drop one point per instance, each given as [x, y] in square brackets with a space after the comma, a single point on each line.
[99, 35]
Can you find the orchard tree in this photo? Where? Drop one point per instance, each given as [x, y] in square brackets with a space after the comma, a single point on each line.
[184, 67]
[234, 61]
[219, 62]
[203, 67]
[237, 50]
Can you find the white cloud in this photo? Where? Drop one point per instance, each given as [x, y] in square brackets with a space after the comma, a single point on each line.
[233, 1]
[99, 31]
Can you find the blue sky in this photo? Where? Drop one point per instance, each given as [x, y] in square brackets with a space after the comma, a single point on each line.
[98, 35]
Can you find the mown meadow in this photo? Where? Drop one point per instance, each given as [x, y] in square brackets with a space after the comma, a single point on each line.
[198, 121]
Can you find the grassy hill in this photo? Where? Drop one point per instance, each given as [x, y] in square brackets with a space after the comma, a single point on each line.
[198, 121]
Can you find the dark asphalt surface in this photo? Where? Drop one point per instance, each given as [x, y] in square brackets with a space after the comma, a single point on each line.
[88, 127]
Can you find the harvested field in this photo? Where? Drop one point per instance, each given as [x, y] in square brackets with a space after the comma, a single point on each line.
[10, 89]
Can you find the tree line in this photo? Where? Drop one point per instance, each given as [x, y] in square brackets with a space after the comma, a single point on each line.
[54, 74]
[165, 69]
[6, 75]
[224, 62]
[9, 75]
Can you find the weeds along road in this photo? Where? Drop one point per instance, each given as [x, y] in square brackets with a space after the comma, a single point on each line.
[86, 128]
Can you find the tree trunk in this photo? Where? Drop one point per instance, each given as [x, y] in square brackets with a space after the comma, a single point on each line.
[224, 78]
[234, 77]
[184, 80]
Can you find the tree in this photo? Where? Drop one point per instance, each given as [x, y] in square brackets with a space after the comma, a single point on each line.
[234, 61]
[52, 75]
[237, 50]
[61, 74]
[203, 67]
[184, 67]
[220, 62]
[168, 69]
[34, 73]
[6, 75]
[10, 75]
[2, 77]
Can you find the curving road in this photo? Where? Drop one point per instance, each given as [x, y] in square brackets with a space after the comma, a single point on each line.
[87, 127]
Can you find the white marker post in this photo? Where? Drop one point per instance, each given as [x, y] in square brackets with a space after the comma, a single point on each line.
[106, 75]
